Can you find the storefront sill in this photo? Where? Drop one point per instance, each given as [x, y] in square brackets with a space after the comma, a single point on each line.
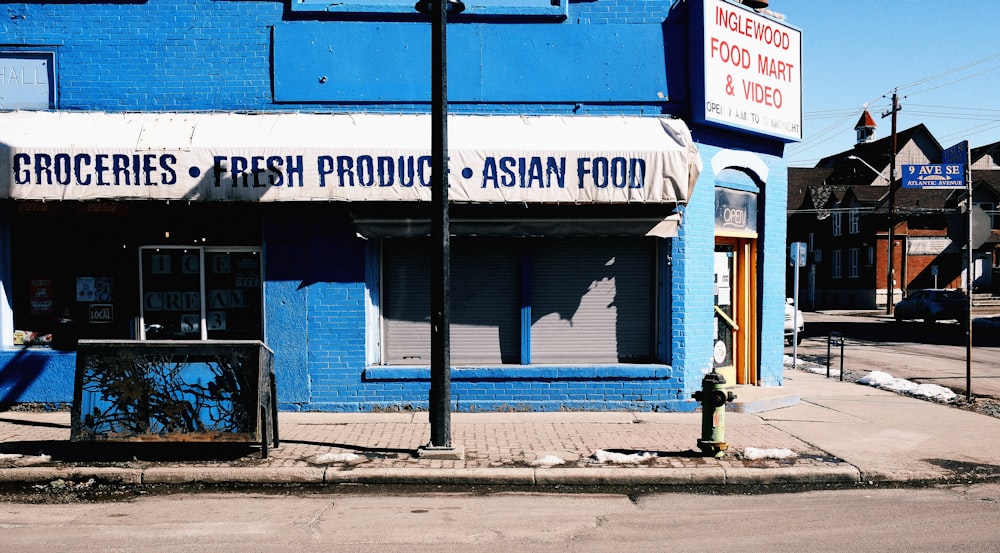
[526, 372]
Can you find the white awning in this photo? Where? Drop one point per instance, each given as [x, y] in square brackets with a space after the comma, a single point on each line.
[663, 227]
[340, 157]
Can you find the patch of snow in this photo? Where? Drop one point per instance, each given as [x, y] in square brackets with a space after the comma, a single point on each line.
[338, 458]
[601, 456]
[547, 461]
[36, 460]
[754, 453]
[16, 459]
[886, 381]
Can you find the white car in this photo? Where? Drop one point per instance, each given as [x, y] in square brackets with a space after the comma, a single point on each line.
[793, 314]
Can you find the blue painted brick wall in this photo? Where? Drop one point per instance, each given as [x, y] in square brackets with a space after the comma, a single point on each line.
[169, 55]
[693, 293]
[775, 261]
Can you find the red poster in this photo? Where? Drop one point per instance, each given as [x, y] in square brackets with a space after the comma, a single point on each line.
[40, 292]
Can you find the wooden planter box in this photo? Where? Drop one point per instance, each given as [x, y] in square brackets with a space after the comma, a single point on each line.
[173, 390]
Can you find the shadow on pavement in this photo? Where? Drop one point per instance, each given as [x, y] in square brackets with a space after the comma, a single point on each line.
[985, 332]
[24, 422]
[382, 451]
[106, 452]
[966, 469]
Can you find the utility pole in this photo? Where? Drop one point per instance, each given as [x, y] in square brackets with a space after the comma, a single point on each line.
[439, 397]
[890, 274]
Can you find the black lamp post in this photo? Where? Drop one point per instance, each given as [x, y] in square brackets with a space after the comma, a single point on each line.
[439, 404]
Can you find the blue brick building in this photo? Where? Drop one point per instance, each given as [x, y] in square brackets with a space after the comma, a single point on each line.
[237, 169]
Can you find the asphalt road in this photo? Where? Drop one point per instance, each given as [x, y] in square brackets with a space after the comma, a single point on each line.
[869, 519]
[935, 353]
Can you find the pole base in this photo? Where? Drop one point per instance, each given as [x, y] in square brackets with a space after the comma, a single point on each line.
[441, 453]
[712, 449]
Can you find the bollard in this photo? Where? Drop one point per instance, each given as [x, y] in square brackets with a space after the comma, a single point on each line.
[835, 338]
[713, 399]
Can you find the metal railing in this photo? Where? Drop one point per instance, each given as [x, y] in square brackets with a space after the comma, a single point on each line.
[835, 339]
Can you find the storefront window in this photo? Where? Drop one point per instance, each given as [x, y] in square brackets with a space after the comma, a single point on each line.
[73, 275]
[201, 293]
[85, 270]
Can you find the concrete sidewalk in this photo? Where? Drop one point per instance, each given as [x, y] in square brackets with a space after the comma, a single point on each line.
[836, 432]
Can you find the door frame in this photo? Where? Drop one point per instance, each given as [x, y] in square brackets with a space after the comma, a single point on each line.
[745, 305]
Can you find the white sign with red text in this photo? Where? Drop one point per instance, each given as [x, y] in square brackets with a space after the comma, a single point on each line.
[752, 71]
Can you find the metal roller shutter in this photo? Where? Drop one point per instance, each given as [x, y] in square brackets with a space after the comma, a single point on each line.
[485, 306]
[592, 301]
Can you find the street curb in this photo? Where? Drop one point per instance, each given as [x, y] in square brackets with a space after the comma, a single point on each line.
[631, 476]
[241, 475]
[929, 475]
[508, 476]
[604, 476]
[737, 476]
[28, 475]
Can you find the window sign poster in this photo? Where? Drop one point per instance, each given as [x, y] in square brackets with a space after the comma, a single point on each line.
[160, 264]
[101, 313]
[191, 264]
[222, 264]
[215, 320]
[190, 323]
[40, 290]
[103, 287]
[86, 290]
[233, 292]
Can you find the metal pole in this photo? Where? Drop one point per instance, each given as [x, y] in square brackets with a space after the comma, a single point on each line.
[829, 342]
[795, 313]
[439, 405]
[841, 358]
[890, 274]
[970, 278]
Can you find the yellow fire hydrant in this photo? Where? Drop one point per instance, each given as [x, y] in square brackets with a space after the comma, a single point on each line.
[713, 398]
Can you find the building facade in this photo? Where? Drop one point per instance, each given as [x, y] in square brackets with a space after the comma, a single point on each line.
[840, 209]
[261, 170]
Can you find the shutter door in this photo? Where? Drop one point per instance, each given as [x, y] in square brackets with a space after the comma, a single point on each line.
[485, 302]
[592, 301]
[406, 302]
[485, 306]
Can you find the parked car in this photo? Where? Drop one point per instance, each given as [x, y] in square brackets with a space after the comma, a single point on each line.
[793, 314]
[933, 305]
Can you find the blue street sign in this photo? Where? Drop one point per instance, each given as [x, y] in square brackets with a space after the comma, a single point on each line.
[940, 175]
[959, 153]
[798, 253]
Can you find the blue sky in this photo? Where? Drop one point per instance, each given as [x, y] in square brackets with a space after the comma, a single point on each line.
[942, 56]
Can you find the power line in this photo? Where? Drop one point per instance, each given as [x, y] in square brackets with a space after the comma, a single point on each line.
[842, 116]
[956, 114]
[830, 132]
[951, 71]
[953, 82]
[950, 107]
[971, 131]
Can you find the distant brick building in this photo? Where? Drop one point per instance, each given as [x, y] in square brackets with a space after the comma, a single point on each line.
[840, 209]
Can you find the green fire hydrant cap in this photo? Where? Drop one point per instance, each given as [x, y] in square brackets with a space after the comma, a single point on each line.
[714, 378]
